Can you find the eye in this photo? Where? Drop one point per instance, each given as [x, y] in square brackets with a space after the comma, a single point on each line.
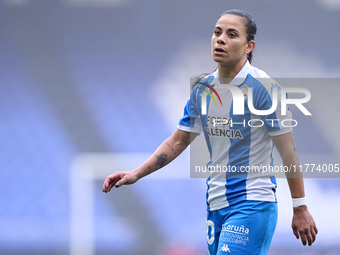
[216, 32]
[232, 35]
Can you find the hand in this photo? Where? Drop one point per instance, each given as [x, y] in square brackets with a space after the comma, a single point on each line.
[118, 179]
[303, 225]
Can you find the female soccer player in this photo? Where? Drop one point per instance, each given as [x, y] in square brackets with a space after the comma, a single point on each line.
[242, 208]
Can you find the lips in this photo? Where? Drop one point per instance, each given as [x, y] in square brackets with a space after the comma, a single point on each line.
[219, 50]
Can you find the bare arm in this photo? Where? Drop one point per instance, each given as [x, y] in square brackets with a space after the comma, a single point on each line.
[303, 223]
[165, 153]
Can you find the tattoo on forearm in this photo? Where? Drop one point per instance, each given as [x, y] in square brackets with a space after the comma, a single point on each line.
[171, 148]
[161, 159]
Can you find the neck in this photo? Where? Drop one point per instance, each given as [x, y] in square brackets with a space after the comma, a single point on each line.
[228, 73]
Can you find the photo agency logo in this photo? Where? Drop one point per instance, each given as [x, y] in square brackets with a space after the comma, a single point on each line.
[238, 104]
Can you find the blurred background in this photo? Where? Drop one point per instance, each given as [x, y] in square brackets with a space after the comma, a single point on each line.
[89, 87]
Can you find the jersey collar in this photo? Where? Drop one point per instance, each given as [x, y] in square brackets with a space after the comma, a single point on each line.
[239, 78]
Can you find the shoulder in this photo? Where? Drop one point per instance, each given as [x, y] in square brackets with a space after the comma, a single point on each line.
[208, 79]
[257, 72]
[261, 80]
[201, 82]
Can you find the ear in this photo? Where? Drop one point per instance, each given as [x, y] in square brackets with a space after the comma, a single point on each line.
[250, 46]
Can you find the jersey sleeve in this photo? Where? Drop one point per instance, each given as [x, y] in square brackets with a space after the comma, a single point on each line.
[276, 123]
[190, 121]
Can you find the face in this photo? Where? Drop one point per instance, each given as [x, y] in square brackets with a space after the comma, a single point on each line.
[229, 41]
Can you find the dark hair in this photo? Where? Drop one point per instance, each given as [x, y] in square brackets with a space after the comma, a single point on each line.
[250, 25]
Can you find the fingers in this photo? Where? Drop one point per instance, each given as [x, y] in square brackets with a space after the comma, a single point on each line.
[296, 232]
[314, 232]
[111, 181]
[106, 185]
[303, 237]
[313, 237]
[307, 235]
[304, 226]
[118, 179]
[310, 238]
[120, 182]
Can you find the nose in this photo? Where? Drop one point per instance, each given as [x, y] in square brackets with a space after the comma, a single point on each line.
[221, 40]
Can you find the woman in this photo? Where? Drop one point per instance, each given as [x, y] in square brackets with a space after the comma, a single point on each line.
[242, 208]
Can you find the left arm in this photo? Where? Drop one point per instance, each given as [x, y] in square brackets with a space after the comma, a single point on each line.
[303, 223]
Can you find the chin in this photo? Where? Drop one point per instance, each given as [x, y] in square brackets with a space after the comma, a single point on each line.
[218, 59]
[223, 63]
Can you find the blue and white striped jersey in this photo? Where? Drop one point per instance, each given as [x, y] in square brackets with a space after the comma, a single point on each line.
[239, 141]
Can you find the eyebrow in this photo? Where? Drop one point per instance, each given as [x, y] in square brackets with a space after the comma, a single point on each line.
[229, 30]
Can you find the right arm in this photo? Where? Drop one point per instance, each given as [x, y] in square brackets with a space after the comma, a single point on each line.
[165, 153]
